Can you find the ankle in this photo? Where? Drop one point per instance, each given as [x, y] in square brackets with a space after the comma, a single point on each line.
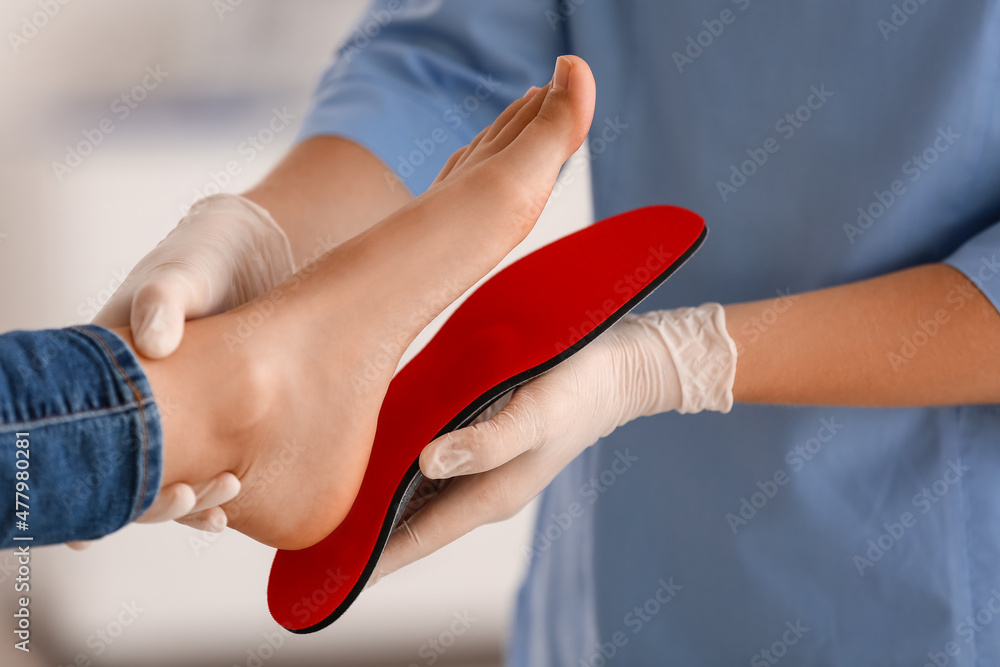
[243, 401]
[210, 401]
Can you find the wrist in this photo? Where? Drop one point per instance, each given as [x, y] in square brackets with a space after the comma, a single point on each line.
[684, 361]
[262, 236]
[327, 190]
[645, 376]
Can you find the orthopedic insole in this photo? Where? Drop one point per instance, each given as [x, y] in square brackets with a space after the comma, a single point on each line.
[523, 321]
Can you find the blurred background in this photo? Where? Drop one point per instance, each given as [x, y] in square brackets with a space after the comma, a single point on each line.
[167, 595]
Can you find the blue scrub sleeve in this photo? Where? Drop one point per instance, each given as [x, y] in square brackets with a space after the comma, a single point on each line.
[80, 437]
[979, 260]
[416, 81]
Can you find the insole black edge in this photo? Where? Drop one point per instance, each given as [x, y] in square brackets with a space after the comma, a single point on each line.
[411, 480]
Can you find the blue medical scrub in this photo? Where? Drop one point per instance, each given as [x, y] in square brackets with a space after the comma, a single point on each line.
[824, 142]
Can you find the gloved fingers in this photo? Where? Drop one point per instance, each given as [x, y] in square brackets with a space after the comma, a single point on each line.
[217, 491]
[427, 490]
[160, 307]
[192, 506]
[207, 514]
[173, 501]
[224, 252]
[515, 429]
[467, 503]
[437, 523]
[494, 408]
[212, 520]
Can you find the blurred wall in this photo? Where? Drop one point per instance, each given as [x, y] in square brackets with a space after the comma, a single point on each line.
[67, 239]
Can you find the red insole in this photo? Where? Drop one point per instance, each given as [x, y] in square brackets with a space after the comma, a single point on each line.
[523, 321]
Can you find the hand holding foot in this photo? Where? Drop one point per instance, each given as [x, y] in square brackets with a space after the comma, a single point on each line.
[285, 391]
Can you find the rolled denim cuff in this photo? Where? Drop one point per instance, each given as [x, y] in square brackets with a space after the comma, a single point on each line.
[94, 437]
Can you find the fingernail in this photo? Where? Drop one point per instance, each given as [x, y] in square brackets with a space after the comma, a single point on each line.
[446, 462]
[528, 94]
[560, 78]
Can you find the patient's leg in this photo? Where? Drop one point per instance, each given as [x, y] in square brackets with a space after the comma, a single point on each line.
[285, 390]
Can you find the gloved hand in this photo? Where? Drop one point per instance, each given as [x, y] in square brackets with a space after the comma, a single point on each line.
[227, 250]
[682, 360]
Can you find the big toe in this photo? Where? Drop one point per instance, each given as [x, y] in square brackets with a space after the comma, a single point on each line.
[562, 121]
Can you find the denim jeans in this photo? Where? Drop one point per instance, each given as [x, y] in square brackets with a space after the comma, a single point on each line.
[80, 436]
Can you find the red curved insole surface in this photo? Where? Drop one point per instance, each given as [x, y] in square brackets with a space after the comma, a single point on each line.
[521, 322]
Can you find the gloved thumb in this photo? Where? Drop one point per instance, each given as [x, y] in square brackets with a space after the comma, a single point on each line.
[159, 310]
[486, 445]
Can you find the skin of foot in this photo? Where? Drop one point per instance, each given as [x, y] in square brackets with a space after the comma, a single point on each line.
[285, 390]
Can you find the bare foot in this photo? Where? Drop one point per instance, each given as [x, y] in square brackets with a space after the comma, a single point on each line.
[296, 377]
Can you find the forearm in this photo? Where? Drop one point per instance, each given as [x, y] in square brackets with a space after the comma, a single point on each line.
[327, 190]
[923, 336]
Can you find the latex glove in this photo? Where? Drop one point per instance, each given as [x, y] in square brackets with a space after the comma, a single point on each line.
[682, 360]
[227, 250]
[196, 506]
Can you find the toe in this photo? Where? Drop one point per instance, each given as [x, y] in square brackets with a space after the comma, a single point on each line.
[563, 118]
